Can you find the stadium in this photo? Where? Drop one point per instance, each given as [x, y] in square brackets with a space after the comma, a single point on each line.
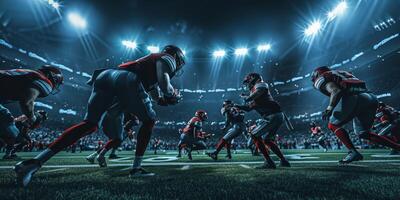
[239, 99]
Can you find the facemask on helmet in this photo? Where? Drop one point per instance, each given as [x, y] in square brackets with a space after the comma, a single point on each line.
[179, 56]
[250, 80]
[54, 75]
[227, 103]
[201, 114]
[318, 72]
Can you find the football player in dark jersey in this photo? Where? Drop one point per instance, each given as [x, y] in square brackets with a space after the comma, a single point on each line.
[116, 135]
[388, 123]
[126, 87]
[261, 100]
[234, 127]
[192, 135]
[349, 100]
[25, 86]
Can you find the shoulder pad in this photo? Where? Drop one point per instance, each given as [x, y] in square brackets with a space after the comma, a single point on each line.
[261, 85]
[170, 61]
[319, 82]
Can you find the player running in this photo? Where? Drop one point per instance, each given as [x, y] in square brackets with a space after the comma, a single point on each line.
[388, 123]
[261, 100]
[316, 132]
[126, 87]
[349, 100]
[234, 127]
[24, 86]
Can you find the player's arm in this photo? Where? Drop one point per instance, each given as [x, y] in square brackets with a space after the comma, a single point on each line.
[163, 78]
[335, 95]
[228, 121]
[257, 93]
[155, 94]
[27, 104]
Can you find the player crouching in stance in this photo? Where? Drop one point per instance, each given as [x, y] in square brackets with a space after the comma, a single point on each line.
[235, 126]
[350, 100]
[260, 100]
[24, 86]
[125, 87]
[192, 135]
[115, 133]
[316, 131]
[388, 124]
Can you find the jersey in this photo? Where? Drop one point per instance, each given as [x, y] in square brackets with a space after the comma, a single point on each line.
[316, 130]
[264, 104]
[233, 114]
[343, 79]
[12, 82]
[146, 68]
[194, 123]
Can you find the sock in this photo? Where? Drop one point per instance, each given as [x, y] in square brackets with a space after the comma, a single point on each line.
[137, 162]
[342, 135]
[228, 148]
[220, 145]
[143, 137]
[272, 145]
[71, 135]
[260, 145]
[45, 155]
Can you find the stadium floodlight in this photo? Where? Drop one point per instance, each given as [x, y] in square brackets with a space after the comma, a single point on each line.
[219, 53]
[56, 5]
[153, 49]
[338, 10]
[241, 51]
[76, 20]
[313, 28]
[129, 44]
[263, 47]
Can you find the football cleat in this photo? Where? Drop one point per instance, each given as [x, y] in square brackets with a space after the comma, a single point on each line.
[91, 158]
[138, 172]
[351, 157]
[284, 163]
[190, 156]
[25, 170]
[179, 155]
[229, 156]
[102, 161]
[213, 155]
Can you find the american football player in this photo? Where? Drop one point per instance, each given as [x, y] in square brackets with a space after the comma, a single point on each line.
[316, 131]
[261, 100]
[192, 135]
[25, 86]
[126, 87]
[388, 123]
[349, 100]
[234, 127]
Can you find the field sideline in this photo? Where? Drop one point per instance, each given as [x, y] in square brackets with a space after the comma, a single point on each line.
[314, 175]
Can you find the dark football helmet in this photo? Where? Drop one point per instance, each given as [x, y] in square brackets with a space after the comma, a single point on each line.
[201, 114]
[318, 72]
[179, 56]
[251, 79]
[54, 75]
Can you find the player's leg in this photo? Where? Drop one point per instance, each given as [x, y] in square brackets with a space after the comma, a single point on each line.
[365, 119]
[99, 101]
[343, 113]
[8, 131]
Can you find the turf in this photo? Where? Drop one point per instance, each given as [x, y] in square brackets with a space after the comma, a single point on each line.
[379, 178]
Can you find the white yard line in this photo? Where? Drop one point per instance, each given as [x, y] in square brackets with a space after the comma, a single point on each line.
[51, 170]
[245, 166]
[185, 167]
[205, 163]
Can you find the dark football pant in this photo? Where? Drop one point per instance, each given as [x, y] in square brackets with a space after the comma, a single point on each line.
[113, 87]
[8, 131]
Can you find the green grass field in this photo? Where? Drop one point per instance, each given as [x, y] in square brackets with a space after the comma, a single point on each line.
[313, 175]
